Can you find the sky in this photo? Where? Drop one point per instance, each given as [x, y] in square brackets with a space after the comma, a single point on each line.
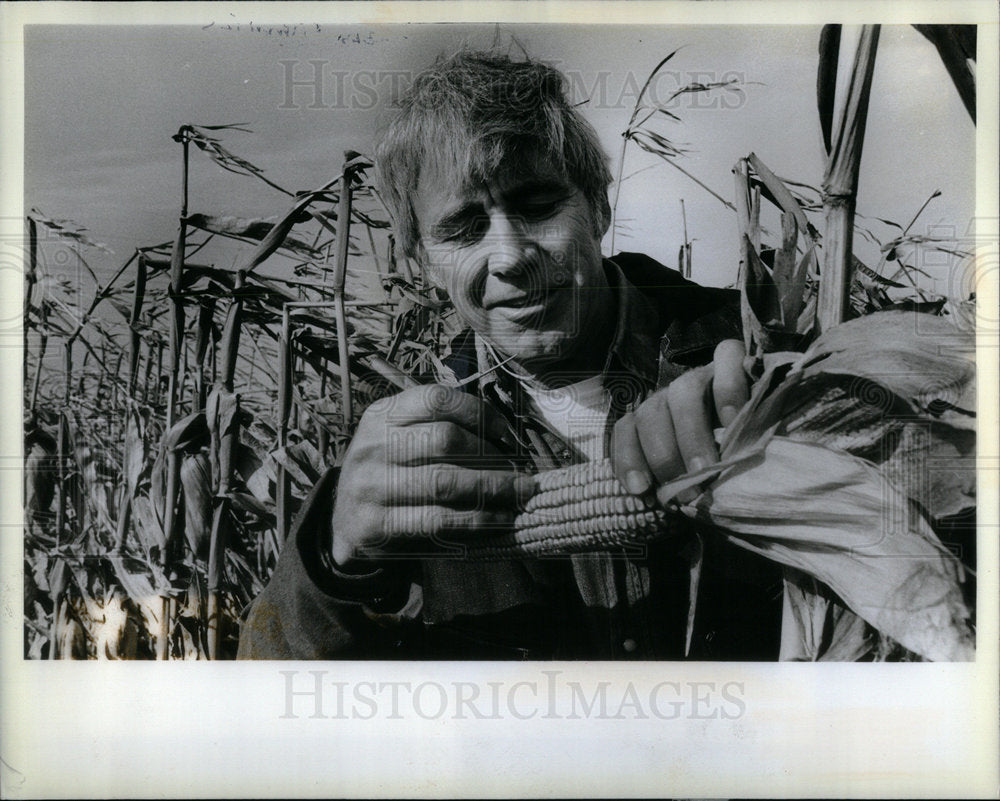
[102, 103]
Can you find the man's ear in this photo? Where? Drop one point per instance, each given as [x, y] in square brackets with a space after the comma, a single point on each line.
[602, 218]
[420, 256]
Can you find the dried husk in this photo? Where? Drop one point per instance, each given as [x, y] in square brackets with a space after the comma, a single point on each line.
[837, 518]
[791, 488]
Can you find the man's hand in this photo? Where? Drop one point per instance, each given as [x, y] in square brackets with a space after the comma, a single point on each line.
[421, 468]
[671, 432]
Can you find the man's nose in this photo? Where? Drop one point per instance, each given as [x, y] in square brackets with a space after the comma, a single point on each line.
[510, 250]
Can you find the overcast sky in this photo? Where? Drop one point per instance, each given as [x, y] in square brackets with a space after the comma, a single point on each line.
[103, 102]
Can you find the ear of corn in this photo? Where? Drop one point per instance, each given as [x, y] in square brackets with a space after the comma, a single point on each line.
[578, 508]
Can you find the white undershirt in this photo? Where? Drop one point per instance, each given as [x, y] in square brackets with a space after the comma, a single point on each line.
[577, 412]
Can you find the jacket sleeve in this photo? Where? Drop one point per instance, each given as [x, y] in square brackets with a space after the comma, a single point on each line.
[311, 610]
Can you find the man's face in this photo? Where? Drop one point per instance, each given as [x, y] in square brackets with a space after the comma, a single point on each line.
[520, 257]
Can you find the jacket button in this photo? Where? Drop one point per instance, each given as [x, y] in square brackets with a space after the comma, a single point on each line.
[630, 645]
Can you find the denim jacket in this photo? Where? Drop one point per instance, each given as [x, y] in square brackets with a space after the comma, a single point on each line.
[624, 603]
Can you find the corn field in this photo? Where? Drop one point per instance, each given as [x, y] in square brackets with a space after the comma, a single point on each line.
[177, 414]
[167, 450]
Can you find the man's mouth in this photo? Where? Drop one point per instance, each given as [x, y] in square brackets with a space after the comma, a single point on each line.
[516, 300]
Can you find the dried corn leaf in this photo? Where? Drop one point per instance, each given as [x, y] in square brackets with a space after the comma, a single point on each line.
[116, 629]
[761, 306]
[815, 507]
[919, 357]
[848, 127]
[835, 517]
[206, 328]
[134, 451]
[257, 230]
[39, 476]
[188, 432]
[300, 460]
[68, 230]
[782, 197]
[148, 525]
[815, 627]
[826, 79]
[262, 480]
[247, 461]
[249, 505]
[221, 411]
[935, 464]
[956, 44]
[72, 636]
[142, 588]
[58, 578]
[196, 479]
[214, 149]
[932, 462]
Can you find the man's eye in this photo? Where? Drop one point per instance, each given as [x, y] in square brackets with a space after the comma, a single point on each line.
[471, 230]
[540, 209]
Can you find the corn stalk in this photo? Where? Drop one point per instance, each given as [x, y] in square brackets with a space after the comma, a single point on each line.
[339, 279]
[283, 489]
[62, 461]
[840, 182]
[223, 415]
[43, 334]
[134, 344]
[31, 276]
[176, 343]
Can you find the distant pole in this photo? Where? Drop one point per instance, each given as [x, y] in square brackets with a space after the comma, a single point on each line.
[685, 262]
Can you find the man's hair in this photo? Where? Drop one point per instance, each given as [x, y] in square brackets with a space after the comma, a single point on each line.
[476, 114]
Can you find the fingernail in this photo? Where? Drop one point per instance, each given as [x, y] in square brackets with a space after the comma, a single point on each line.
[637, 482]
[727, 414]
[664, 498]
[687, 496]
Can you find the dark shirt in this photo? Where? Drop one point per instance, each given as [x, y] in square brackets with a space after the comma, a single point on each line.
[624, 603]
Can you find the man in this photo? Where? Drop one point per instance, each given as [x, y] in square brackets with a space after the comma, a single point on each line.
[499, 187]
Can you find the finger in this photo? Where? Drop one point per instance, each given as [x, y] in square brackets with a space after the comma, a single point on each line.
[458, 488]
[627, 459]
[730, 388]
[413, 526]
[657, 436]
[424, 443]
[690, 412]
[436, 402]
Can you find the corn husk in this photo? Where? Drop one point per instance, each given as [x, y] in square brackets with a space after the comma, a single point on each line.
[836, 518]
[790, 488]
